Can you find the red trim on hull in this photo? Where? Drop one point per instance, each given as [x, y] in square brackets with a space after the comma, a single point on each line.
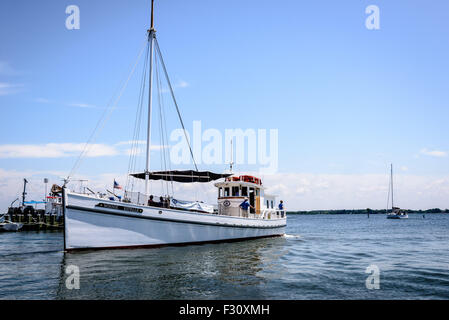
[172, 244]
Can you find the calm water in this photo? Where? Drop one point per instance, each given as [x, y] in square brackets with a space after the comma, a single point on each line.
[322, 257]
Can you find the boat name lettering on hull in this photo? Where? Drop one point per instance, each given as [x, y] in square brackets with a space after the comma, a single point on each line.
[117, 207]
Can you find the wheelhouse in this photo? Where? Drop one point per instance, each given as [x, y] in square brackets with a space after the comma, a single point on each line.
[235, 189]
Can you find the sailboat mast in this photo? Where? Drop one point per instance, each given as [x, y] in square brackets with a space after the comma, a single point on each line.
[151, 37]
[392, 202]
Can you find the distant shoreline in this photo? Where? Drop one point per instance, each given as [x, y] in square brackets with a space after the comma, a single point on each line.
[366, 211]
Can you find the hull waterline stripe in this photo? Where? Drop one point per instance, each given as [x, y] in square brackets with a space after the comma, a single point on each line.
[179, 244]
[171, 220]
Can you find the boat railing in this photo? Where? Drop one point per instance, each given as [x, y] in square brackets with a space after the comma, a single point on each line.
[144, 200]
[281, 213]
[263, 213]
[166, 202]
[138, 198]
[267, 213]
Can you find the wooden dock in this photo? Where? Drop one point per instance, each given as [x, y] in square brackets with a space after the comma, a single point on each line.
[37, 222]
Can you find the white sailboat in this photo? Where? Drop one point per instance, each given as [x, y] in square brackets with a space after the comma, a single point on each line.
[97, 222]
[396, 212]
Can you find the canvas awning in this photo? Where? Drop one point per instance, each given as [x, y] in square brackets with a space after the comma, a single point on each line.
[33, 202]
[185, 176]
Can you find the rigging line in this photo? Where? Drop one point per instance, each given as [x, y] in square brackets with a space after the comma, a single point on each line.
[166, 149]
[161, 137]
[135, 147]
[162, 163]
[103, 119]
[137, 123]
[163, 130]
[137, 120]
[174, 100]
[164, 139]
[164, 134]
[138, 134]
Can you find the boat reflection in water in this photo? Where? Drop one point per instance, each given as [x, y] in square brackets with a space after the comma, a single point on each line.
[212, 271]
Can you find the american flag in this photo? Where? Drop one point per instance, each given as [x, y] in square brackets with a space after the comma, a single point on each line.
[116, 185]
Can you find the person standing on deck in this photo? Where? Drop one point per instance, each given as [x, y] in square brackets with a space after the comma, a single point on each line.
[281, 205]
[245, 205]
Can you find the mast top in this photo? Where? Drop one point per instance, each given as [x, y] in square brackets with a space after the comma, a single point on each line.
[152, 16]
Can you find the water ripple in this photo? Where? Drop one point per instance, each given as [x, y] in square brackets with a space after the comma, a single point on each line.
[320, 257]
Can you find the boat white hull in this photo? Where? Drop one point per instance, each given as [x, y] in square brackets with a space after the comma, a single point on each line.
[397, 216]
[10, 226]
[92, 223]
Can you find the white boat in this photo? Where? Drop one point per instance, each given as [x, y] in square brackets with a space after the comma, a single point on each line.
[396, 212]
[98, 222]
[94, 222]
[52, 206]
[6, 225]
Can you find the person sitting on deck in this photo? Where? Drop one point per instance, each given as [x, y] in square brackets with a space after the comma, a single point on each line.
[281, 205]
[151, 202]
[161, 202]
[167, 203]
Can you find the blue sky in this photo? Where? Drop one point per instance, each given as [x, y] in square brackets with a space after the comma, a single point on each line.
[346, 100]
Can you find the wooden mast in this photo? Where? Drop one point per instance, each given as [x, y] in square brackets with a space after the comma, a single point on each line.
[152, 15]
[151, 37]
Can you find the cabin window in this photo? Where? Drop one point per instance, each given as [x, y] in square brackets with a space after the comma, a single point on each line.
[268, 204]
[235, 191]
[272, 205]
[220, 192]
[226, 192]
[245, 191]
[257, 192]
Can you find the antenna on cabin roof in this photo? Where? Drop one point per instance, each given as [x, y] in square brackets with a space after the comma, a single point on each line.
[232, 158]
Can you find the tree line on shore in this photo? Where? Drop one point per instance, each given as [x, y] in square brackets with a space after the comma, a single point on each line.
[367, 211]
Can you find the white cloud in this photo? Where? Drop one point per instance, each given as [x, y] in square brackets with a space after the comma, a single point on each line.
[54, 150]
[182, 84]
[300, 191]
[8, 88]
[433, 153]
[70, 104]
[130, 142]
[42, 100]
[62, 150]
[81, 105]
[140, 142]
[305, 191]
[7, 70]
